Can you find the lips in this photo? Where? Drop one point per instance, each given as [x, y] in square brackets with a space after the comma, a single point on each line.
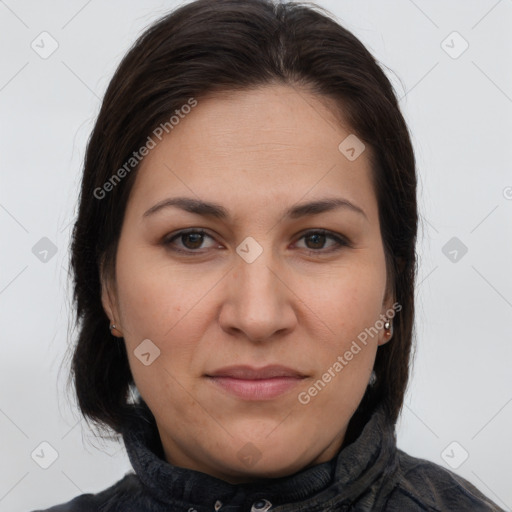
[250, 373]
[248, 383]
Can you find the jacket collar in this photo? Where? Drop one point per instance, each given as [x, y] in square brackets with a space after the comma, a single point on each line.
[357, 469]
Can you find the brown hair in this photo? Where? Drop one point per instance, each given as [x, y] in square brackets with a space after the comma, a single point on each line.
[207, 46]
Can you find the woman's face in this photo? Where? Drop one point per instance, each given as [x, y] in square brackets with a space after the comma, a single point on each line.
[259, 287]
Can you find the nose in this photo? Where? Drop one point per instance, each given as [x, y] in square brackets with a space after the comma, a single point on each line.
[259, 303]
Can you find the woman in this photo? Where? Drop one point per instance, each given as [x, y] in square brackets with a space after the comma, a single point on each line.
[244, 266]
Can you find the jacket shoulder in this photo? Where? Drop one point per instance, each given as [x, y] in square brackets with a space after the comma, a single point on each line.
[423, 485]
[103, 501]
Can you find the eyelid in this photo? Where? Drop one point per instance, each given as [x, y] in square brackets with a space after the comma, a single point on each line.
[341, 240]
[168, 239]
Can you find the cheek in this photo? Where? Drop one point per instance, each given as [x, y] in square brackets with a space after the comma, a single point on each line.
[164, 305]
[349, 302]
[155, 304]
[145, 302]
[349, 306]
[153, 295]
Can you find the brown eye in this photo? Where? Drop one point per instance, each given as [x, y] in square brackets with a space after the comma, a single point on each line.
[318, 240]
[196, 240]
[315, 241]
[191, 240]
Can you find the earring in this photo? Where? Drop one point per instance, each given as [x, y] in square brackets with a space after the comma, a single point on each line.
[117, 333]
[388, 327]
[373, 378]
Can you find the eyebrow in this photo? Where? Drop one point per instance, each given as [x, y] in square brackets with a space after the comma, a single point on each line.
[210, 209]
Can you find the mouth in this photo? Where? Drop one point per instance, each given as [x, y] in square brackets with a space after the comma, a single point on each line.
[250, 383]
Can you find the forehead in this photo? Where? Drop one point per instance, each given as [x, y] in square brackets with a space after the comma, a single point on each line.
[276, 142]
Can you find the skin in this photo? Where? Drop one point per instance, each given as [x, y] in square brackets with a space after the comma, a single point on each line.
[257, 153]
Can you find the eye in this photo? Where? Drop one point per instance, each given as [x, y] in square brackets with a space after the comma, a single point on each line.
[193, 239]
[318, 238]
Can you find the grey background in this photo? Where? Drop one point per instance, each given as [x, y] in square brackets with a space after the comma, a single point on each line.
[460, 115]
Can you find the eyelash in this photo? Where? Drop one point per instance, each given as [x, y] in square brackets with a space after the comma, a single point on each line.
[340, 241]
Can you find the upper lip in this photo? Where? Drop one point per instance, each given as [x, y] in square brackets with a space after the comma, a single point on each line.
[249, 372]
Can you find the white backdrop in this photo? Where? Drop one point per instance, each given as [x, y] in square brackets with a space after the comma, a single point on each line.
[450, 64]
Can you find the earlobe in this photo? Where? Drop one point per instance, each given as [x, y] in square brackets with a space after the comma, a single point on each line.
[387, 327]
[387, 331]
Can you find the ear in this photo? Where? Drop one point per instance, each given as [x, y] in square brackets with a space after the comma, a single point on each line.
[108, 296]
[389, 309]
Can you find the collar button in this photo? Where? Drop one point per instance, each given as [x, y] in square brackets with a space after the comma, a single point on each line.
[261, 506]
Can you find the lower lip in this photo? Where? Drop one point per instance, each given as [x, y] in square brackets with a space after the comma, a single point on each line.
[257, 389]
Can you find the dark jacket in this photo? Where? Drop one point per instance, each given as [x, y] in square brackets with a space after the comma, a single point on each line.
[370, 474]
